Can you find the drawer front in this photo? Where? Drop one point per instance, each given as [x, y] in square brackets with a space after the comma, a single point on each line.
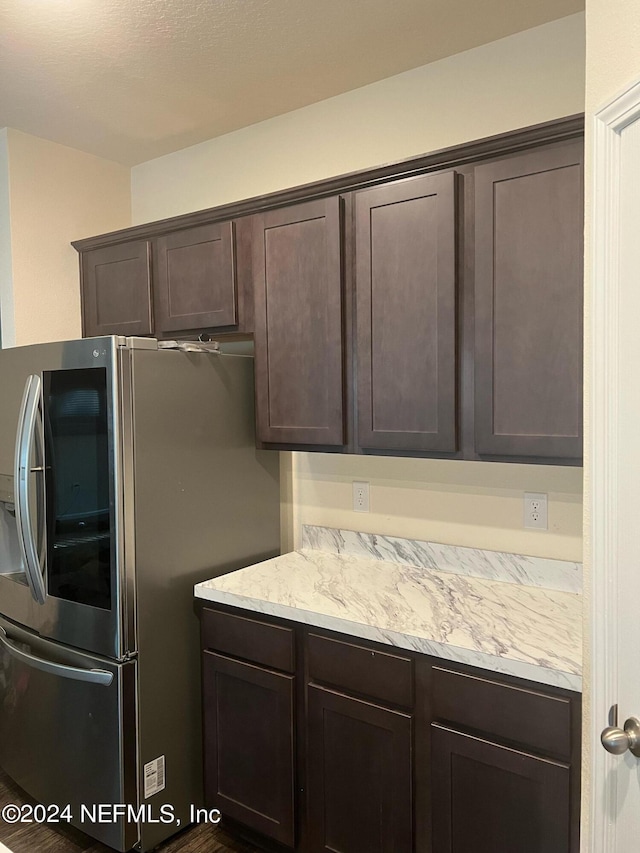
[361, 670]
[539, 721]
[248, 639]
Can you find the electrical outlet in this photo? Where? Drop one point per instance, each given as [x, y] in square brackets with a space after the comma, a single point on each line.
[360, 497]
[535, 510]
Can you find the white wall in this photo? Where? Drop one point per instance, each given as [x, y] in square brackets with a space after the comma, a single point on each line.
[6, 273]
[612, 63]
[56, 194]
[517, 81]
[523, 79]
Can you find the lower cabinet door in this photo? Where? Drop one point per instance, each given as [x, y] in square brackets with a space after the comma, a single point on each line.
[492, 799]
[359, 776]
[248, 742]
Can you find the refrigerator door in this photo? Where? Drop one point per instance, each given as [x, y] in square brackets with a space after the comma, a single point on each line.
[67, 729]
[61, 493]
[16, 595]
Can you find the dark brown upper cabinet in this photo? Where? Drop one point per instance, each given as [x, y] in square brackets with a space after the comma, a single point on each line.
[195, 278]
[297, 269]
[528, 304]
[116, 290]
[179, 283]
[429, 307]
[406, 314]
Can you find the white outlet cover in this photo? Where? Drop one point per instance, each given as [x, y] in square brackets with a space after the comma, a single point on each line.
[360, 496]
[535, 511]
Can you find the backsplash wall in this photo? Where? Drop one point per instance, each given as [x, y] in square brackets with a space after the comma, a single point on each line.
[475, 504]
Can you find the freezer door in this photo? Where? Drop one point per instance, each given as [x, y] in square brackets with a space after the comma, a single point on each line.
[68, 729]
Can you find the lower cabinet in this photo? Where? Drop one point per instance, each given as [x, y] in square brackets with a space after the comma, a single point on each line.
[326, 744]
[248, 732]
[249, 692]
[504, 765]
[359, 775]
[489, 798]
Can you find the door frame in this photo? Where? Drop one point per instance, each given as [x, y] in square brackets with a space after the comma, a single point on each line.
[608, 123]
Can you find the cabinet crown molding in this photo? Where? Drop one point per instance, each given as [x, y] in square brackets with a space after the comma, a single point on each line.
[505, 143]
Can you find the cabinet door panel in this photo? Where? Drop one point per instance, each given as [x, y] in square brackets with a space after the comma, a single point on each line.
[298, 324]
[488, 798]
[248, 732]
[195, 278]
[406, 307]
[360, 780]
[116, 290]
[528, 304]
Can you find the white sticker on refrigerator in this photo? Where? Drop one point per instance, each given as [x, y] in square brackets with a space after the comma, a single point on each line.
[154, 779]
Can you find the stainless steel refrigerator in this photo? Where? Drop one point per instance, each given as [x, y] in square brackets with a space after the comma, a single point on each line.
[127, 474]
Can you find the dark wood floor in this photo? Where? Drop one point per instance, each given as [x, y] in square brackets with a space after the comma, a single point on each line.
[40, 838]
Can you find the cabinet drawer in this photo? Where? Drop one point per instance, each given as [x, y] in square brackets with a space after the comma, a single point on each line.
[249, 639]
[534, 719]
[360, 669]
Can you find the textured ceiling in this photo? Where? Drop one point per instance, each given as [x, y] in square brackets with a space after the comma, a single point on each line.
[130, 80]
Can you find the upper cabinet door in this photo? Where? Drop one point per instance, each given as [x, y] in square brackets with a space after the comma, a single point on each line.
[528, 304]
[298, 324]
[195, 278]
[116, 290]
[406, 314]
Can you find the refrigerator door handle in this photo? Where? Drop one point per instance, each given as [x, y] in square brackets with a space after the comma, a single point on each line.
[26, 435]
[95, 676]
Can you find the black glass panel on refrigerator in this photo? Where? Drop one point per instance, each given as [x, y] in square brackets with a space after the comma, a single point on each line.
[78, 486]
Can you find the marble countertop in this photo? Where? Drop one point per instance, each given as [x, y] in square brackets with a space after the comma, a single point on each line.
[520, 630]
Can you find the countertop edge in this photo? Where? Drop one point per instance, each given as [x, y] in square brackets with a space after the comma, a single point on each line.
[423, 645]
